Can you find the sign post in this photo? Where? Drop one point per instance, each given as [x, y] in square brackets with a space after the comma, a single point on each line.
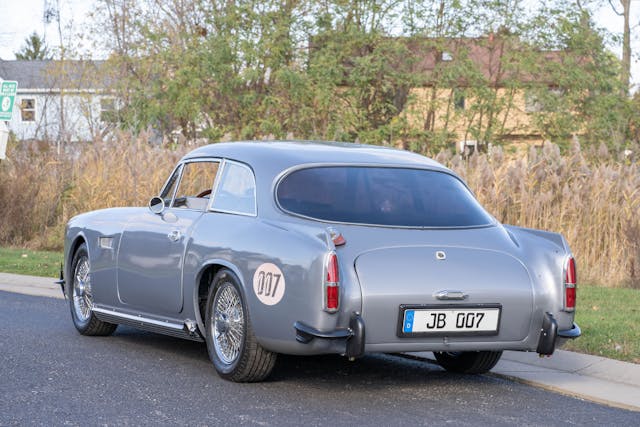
[8, 90]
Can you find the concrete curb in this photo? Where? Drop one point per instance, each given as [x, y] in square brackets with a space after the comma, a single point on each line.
[598, 379]
[30, 285]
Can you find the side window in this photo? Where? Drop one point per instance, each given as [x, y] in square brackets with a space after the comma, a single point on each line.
[236, 192]
[195, 185]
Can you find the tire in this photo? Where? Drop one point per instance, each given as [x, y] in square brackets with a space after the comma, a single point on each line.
[81, 297]
[236, 354]
[468, 362]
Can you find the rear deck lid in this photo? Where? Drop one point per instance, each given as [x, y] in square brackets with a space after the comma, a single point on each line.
[439, 277]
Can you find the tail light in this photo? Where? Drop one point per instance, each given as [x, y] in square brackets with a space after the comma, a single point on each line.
[332, 284]
[570, 282]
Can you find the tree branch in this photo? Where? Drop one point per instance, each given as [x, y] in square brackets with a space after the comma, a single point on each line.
[614, 9]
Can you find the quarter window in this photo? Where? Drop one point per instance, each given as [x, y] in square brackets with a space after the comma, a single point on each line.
[28, 110]
[236, 192]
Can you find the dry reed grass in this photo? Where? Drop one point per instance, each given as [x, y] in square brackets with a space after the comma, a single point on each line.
[593, 200]
[594, 203]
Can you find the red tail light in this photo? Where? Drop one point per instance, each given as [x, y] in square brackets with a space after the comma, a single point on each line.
[332, 284]
[570, 282]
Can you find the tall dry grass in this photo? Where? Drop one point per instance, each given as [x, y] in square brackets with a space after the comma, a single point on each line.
[594, 200]
[40, 190]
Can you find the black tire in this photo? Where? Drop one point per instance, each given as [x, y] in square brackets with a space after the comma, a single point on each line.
[468, 362]
[81, 297]
[236, 354]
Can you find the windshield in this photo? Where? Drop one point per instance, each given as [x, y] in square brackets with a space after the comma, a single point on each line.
[380, 196]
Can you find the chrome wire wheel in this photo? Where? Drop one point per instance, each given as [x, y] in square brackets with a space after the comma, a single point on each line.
[227, 319]
[82, 296]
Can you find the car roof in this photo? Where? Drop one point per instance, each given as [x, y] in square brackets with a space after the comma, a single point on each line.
[285, 154]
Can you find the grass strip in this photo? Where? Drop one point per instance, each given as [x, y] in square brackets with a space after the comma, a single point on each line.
[610, 323]
[32, 263]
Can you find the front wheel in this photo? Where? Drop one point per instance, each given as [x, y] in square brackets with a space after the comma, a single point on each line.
[468, 362]
[232, 346]
[81, 297]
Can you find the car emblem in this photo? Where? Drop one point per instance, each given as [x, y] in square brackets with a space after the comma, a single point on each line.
[440, 255]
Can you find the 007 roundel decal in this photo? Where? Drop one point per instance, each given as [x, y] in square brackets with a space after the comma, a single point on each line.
[268, 284]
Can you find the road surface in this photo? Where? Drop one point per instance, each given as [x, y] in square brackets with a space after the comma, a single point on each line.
[50, 375]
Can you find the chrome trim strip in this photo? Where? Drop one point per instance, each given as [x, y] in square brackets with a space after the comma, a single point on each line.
[138, 318]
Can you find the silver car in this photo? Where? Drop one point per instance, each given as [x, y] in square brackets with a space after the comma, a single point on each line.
[320, 248]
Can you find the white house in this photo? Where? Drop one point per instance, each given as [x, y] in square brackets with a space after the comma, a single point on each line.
[59, 100]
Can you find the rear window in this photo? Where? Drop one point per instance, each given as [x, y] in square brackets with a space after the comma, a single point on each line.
[380, 196]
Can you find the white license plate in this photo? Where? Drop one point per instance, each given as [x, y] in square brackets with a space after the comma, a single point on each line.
[471, 320]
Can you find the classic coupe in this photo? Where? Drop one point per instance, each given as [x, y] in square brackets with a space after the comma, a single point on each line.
[303, 248]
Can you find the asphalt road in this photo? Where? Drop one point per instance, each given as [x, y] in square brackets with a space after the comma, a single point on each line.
[50, 375]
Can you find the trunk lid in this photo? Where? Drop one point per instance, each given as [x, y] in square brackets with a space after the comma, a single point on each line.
[414, 275]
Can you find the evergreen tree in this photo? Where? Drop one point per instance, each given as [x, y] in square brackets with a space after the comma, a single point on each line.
[34, 49]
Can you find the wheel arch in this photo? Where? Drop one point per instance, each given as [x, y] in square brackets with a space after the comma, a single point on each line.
[73, 248]
[203, 282]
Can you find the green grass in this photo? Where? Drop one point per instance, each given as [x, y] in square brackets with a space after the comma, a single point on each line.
[33, 263]
[610, 323]
[609, 317]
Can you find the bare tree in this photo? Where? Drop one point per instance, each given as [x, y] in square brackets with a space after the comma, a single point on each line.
[626, 41]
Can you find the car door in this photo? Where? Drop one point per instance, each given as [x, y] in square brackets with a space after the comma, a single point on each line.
[152, 248]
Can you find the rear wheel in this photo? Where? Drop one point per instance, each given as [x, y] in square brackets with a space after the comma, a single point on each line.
[81, 297]
[468, 362]
[232, 346]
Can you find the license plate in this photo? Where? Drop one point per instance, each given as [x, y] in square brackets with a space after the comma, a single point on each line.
[452, 320]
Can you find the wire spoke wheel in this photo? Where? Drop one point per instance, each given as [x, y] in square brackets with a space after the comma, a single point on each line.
[228, 323]
[82, 296]
[233, 347]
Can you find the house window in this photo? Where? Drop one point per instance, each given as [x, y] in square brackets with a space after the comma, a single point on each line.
[532, 103]
[108, 112]
[541, 101]
[28, 110]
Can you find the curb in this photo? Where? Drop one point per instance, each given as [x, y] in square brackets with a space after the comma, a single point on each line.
[597, 379]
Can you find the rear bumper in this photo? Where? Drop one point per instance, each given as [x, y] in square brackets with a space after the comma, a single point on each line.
[572, 333]
[352, 339]
[549, 333]
[353, 336]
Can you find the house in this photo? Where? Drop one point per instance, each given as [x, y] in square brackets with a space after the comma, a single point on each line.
[59, 100]
[460, 91]
[484, 89]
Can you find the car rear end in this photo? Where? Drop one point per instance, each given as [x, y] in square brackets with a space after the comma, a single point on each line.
[414, 263]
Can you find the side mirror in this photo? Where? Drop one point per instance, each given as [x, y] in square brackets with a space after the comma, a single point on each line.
[156, 205]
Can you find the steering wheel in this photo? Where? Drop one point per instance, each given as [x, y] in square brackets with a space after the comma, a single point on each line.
[204, 193]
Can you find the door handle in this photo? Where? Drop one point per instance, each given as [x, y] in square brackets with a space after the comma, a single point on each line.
[174, 236]
[450, 295]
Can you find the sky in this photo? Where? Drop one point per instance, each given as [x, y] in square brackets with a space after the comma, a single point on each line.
[19, 18]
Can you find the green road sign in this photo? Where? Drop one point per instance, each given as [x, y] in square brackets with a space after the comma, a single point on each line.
[8, 91]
